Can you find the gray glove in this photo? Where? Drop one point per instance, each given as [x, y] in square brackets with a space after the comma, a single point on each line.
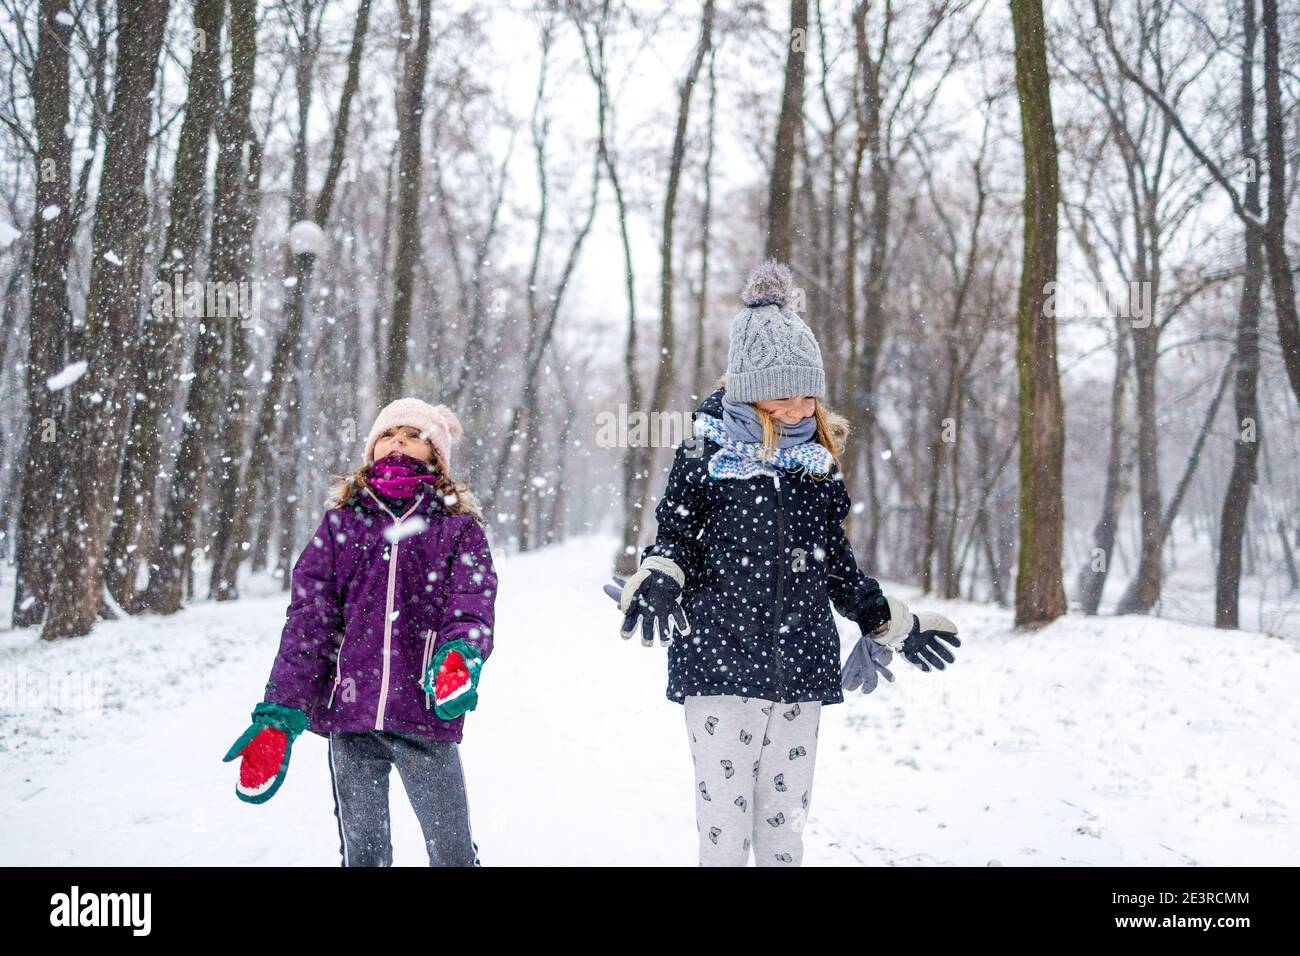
[867, 661]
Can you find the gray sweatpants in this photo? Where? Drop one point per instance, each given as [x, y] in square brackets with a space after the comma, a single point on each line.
[754, 764]
[434, 781]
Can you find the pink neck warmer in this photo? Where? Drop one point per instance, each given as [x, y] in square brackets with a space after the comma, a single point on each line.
[400, 476]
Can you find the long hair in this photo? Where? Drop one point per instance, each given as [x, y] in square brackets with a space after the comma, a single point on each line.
[455, 494]
[832, 431]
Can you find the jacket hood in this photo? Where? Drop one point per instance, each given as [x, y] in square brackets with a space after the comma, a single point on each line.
[711, 404]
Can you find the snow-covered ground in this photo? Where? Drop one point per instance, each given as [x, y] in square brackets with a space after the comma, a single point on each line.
[1120, 741]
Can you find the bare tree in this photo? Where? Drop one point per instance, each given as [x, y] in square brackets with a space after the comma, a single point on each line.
[890, 105]
[1040, 595]
[961, 347]
[1288, 330]
[1236, 499]
[162, 342]
[409, 176]
[233, 521]
[701, 292]
[643, 457]
[240, 178]
[594, 52]
[47, 338]
[99, 401]
[523, 419]
[1279, 266]
[779, 191]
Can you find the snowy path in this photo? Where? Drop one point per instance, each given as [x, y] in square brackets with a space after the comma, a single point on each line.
[1098, 741]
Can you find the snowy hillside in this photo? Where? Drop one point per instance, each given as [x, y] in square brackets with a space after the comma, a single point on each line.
[1118, 741]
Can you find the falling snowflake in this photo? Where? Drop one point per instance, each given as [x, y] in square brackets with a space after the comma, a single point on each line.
[411, 526]
[305, 237]
[70, 374]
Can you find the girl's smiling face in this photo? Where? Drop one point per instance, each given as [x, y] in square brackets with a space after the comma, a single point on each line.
[403, 439]
[788, 411]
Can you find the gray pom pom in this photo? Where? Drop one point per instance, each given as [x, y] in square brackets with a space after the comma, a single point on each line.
[771, 283]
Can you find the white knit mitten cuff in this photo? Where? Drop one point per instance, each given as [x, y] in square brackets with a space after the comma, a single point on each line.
[899, 625]
[654, 562]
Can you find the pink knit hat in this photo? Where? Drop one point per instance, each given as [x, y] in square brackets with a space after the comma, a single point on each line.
[437, 423]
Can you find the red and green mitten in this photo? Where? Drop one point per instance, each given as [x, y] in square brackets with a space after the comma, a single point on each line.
[264, 748]
[452, 679]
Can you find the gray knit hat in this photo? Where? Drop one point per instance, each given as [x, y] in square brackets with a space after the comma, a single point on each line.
[773, 353]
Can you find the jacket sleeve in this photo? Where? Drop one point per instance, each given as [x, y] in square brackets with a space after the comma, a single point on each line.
[680, 513]
[314, 626]
[472, 591]
[856, 596]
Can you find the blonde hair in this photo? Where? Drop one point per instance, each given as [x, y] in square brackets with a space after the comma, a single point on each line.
[455, 494]
[832, 431]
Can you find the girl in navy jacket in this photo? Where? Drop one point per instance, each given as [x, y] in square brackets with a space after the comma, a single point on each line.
[749, 557]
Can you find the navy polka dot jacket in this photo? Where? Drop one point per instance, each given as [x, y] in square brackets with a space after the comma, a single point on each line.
[764, 560]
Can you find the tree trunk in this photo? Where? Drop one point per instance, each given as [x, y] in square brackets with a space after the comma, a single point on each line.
[538, 345]
[1236, 499]
[235, 520]
[1288, 557]
[226, 255]
[162, 343]
[644, 456]
[293, 420]
[1096, 568]
[235, 130]
[780, 193]
[1279, 267]
[99, 402]
[627, 559]
[950, 405]
[1143, 590]
[49, 316]
[869, 342]
[1194, 457]
[409, 175]
[706, 216]
[1040, 595]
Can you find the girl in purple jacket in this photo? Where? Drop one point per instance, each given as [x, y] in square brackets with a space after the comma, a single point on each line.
[389, 622]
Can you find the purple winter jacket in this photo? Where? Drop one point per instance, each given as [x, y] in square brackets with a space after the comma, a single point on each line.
[371, 606]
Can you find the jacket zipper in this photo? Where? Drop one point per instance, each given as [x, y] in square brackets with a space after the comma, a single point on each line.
[429, 635]
[780, 576]
[338, 673]
[388, 608]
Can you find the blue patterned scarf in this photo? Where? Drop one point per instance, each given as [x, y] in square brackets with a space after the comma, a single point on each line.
[737, 459]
